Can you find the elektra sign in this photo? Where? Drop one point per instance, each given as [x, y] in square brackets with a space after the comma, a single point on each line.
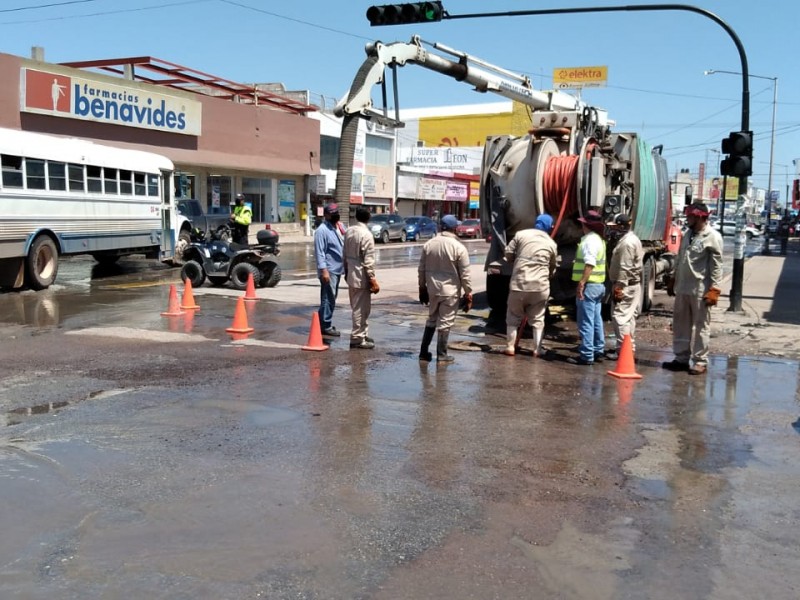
[87, 99]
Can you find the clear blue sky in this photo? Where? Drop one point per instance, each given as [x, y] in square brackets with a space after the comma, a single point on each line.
[656, 60]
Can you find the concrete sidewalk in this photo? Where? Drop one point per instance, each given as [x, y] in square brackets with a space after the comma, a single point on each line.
[770, 313]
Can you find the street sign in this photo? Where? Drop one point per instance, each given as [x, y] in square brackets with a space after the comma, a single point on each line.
[579, 77]
[774, 195]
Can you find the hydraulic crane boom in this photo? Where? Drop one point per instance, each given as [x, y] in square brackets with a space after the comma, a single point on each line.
[484, 76]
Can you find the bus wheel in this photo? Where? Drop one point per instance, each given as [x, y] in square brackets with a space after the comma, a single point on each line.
[41, 264]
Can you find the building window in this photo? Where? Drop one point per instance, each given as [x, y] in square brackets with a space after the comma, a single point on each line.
[218, 199]
[110, 179]
[139, 188]
[328, 152]
[258, 192]
[379, 151]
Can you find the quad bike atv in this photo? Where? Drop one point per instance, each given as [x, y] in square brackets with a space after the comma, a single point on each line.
[222, 261]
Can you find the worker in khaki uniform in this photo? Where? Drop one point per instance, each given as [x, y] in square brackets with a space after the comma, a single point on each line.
[359, 268]
[533, 253]
[625, 273]
[696, 287]
[443, 274]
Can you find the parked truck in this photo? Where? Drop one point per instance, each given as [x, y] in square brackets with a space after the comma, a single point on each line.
[570, 162]
[196, 218]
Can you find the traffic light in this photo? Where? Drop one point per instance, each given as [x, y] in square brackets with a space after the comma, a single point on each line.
[403, 14]
[739, 148]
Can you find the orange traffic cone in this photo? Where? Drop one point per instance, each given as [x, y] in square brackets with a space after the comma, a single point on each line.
[315, 336]
[240, 319]
[187, 302]
[250, 291]
[174, 309]
[626, 369]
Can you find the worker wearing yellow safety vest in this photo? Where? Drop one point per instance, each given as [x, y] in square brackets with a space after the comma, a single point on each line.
[589, 270]
[241, 217]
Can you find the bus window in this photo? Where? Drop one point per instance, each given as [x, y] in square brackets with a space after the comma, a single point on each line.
[34, 174]
[94, 179]
[12, 171]
[57, 175]
[138, 184]
[152, 184]
[76, 178]
[125, 182]
[110, 180]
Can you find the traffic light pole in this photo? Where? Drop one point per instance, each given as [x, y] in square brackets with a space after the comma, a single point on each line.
[738, 255]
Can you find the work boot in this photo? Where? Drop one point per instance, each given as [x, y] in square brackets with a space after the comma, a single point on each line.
[427, 338]
[441, 348]
[511, 342]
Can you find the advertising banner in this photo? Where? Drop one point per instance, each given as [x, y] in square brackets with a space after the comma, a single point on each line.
[286, 201]
[456, 191]
[88, 99]
[431, 189]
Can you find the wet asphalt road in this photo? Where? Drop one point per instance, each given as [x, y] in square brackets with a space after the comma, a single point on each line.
[144, 457]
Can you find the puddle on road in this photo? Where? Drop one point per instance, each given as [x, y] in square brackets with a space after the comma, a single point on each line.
[13, 416]
[583, 565]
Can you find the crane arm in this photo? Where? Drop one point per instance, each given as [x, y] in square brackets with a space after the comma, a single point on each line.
[484, 76]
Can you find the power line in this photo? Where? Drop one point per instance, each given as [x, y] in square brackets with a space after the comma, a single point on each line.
[103, 13]
[21, 8]
[301, 21]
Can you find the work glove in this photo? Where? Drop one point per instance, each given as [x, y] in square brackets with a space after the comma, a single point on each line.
[374, 288]
[712, 296]
[619, 293]
[423, 295]
[466, 303]
[670, 286]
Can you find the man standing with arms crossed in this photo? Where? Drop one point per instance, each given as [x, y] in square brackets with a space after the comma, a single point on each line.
[696, 287]
[533, 253]
[625, 273]
[359, 268]
[328, 251]
[443, 272]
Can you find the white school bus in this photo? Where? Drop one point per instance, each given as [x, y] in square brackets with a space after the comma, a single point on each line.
[64, 196]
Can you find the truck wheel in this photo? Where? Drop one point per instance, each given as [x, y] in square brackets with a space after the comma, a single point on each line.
[270, 274]
[385, 237]
[241, 272]
[193, 271]
[648, 284]
[41, 264]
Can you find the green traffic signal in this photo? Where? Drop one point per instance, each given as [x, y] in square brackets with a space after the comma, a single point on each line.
[403, 14]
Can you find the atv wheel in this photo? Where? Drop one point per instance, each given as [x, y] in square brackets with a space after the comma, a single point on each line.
[270, 274]
[217, 281]
[241, 272]
[193, 271]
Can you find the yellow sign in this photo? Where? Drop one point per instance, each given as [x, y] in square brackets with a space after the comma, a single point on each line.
[578, 77]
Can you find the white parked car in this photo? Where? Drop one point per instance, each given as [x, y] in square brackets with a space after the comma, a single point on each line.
[729, 228]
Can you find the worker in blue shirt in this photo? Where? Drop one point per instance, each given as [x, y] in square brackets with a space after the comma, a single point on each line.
[328, 252]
